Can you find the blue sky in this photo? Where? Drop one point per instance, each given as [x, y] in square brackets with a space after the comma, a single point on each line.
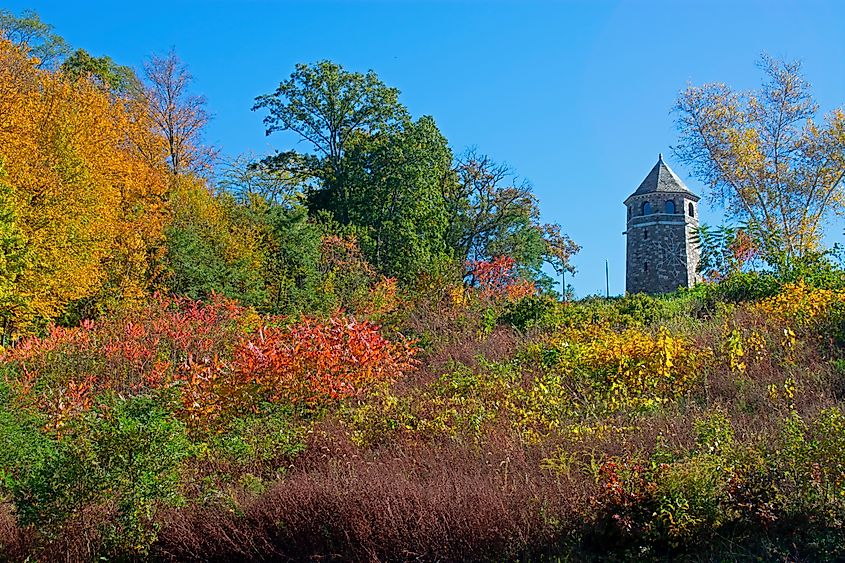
[576, 96]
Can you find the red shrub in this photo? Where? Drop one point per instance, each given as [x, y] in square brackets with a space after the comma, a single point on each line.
[499, 278]
[205, 352]
[155, 347]
[316, 360]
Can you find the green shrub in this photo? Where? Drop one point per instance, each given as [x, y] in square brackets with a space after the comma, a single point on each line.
[37, 472]
[640, 309]
[124, 455]
[689, 499]
[532, 311]
[270, 438]
[135, 448]
[822, 270]
[745, 286]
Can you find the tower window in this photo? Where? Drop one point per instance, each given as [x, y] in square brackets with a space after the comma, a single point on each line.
[670, 207]
[645, 233]
[645, 267]
[646, 208]
[629, 212]
[691, 210]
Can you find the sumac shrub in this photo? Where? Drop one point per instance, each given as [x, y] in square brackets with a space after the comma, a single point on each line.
[321, 360]
[146, 349]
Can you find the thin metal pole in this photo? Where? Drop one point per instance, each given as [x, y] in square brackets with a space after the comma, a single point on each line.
[607, 278]
[563, 284]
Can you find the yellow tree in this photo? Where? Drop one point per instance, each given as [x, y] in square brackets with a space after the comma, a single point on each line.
[88, 204]
[767, 156]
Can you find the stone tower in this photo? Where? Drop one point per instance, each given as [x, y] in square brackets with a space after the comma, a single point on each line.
[662, 215]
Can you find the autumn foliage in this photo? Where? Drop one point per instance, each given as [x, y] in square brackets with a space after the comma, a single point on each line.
[499, 278]
[221, 358]
[85, 186]
[243, 372]
[314, 360]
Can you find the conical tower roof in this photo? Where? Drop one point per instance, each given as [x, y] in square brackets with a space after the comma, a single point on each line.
[662, 179]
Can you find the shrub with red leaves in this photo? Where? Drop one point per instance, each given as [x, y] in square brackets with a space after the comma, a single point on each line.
[316, 360]
[499, 278]
[151, 348]
[204, 351]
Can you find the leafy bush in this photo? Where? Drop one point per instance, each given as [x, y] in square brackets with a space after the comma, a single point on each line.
[532, 311]
[271, 437]
[315, 361]
[631, 368]
[124, 454]
[151, 348]
[133, 456]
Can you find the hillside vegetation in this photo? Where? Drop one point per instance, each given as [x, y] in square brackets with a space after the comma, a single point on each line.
[353, 353]
[495, 428]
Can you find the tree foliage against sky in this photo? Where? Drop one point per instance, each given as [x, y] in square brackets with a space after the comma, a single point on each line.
[767, 155]
[326, 105]
[494, 213]
[178, 115]
[106, 192]
[36, 36]
[396, 180]
[112, 76]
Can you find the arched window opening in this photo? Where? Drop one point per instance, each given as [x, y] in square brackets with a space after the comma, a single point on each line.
[629, 212]
[669, 207]
[691, 210]
[646, 208]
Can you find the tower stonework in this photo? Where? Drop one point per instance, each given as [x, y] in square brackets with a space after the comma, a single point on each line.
[662, 218]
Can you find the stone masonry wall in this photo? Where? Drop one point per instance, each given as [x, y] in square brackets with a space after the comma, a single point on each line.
[661, 256]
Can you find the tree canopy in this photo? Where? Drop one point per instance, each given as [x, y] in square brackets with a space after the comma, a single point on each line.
[36, 36]
[767, 156]
[326, 105]
[87, 207]
[108, 192]
[396, 181]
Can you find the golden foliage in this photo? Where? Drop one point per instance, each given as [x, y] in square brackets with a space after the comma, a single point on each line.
[88, 201]
[800, 305]
[643, 369]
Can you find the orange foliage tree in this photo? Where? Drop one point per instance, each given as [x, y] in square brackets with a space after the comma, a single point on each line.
[499, 278]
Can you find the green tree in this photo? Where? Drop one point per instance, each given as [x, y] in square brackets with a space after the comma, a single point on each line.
[212, 247]
[291, 260]
[269, 200]
[326, 106]
[29, 31]
[103, 70]
[494, 213]
[397, 180]
[391, 179]
[767, 157]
